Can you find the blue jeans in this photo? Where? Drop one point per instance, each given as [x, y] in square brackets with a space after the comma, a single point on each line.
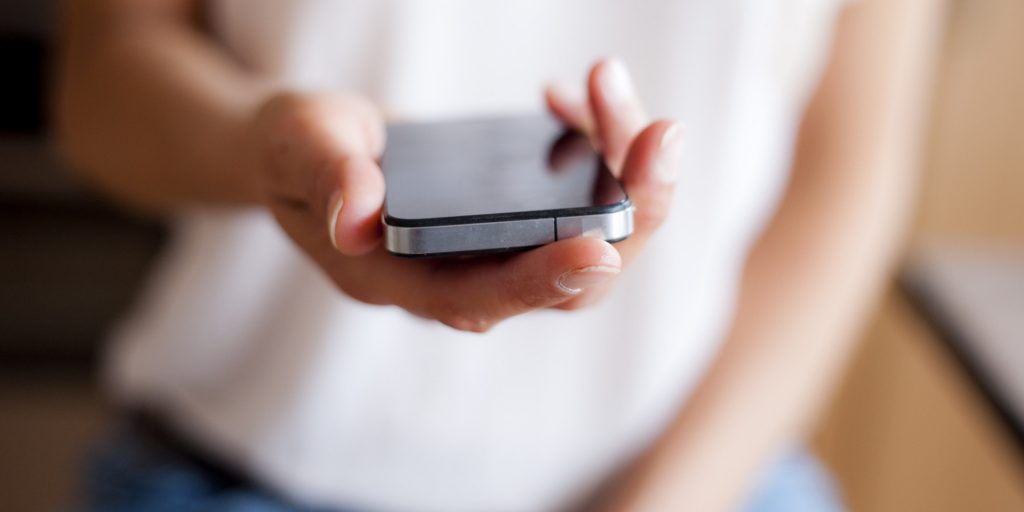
[130, 472]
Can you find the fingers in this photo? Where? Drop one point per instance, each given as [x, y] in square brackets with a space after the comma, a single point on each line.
[354, 191]
[646, 159]
[611, 115]
[324, 151]
[617, 112]
[649, 175]
[570, 107]
[476, 294]
[478, 298]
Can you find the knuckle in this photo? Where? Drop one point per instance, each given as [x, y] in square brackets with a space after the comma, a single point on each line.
[334, 165]
[467, 324]
[359, 102]
[324, 179]
[357, 105]
[292, 107]
[458, 318]
[284, 124]
[276, 173]
[653, 213]
[368, 107]
[372, 121]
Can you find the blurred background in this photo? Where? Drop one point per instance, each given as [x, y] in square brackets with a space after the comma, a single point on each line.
[928, 417]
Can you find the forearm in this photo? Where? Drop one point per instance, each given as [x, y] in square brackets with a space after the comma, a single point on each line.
[812, 276]
[151, 110]
[805, 290]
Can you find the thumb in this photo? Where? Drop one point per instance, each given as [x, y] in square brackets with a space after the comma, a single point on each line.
[353, 194]
[324, 164]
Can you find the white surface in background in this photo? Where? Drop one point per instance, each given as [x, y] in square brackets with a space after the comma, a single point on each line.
[981, 292]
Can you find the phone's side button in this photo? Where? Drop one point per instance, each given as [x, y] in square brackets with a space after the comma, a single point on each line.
[608, 226]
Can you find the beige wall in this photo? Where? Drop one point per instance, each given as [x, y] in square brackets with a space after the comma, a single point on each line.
[974, 183]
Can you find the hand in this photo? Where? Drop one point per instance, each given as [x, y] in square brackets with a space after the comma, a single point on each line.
[645, 157]
[319, 176]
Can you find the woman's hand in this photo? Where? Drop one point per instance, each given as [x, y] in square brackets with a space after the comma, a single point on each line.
[645, 157]
[320, 178]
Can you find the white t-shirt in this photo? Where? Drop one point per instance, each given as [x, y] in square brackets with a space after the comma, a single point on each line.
[332, 402]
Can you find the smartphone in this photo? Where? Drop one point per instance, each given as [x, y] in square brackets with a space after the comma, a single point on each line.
[493, 185]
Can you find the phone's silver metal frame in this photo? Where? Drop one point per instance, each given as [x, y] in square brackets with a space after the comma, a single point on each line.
[505, 234]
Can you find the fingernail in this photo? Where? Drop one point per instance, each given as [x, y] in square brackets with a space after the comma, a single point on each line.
[616, 83]
[575, 281]
[333, 210]
[670, 154]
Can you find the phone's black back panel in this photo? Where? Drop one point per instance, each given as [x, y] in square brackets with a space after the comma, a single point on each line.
[520, 167]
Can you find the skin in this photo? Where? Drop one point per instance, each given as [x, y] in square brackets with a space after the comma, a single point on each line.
[182, 124]
[152, 111]
[813, 276]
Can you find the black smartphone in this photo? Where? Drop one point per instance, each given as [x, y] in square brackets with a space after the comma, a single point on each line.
[491, 185]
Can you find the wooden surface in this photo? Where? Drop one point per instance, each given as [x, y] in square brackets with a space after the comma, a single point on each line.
[907, 430]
